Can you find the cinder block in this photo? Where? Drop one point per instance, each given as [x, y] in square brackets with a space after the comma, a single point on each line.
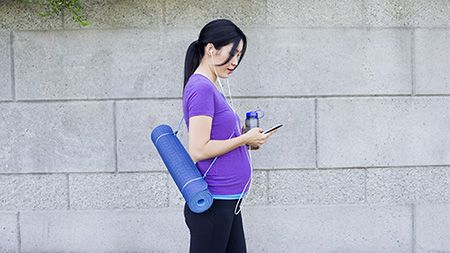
[293, 145]
[350, 13]
[113, 14]
[432, 226]
[175, 197]
[406, 13]
[55, 137]
[293, 61]
[199, 13]
[258, 190]
[27, 192]
[314, 13]
[383, 131]
[135, 122]
[432, 62]
[98, 64]
[354, 228]
[152, 230]
[17, 15]
[8, 232]
[408, 185]
[175, 43]
[290, 187]
[257, 194]
[118, 191]
[5, 66]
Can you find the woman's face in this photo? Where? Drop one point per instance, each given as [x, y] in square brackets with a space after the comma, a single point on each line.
[220, 56]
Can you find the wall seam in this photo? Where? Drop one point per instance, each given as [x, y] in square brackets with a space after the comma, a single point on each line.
[347, 96]
[168, 177]
[316, 146]
[82, 173]
[413, 224]
[68, 190]
[116, 167]
[259, 169]
[413, 62]
[344, 96]
[365, 185]
[267, 187]
[19, 240]
[13, 68]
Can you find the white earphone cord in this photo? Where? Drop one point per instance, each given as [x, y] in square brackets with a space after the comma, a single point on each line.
[249, 156]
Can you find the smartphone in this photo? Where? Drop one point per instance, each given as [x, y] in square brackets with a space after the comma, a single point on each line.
[273, 128]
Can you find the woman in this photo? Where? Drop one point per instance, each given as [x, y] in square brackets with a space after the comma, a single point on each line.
[215, 131]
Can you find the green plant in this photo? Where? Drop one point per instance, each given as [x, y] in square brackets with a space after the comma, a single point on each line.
[55, 7]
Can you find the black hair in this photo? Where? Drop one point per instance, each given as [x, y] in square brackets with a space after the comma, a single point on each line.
[219, 32]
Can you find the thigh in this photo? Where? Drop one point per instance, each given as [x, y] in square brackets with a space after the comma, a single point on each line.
[211, 229]
[236, 243]
[200, 227]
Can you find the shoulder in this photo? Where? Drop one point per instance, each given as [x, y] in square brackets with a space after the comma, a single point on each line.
[198, 84]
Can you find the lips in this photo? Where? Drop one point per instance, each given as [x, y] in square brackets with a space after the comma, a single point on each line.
[231, 70]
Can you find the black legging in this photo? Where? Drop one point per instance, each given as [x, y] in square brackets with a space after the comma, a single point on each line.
[216, 230]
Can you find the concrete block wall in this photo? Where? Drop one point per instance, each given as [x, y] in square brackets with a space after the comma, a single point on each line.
[362, 163]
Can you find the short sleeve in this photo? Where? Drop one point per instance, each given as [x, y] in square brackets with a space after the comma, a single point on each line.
[200, 100]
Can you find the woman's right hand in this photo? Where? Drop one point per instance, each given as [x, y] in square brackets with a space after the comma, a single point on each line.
[255, 137]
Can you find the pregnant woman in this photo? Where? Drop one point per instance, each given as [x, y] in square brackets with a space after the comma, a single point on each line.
[216, 143]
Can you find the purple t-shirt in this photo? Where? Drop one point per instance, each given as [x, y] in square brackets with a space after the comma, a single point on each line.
[231, 171]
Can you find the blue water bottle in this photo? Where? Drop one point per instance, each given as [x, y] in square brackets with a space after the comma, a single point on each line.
[252, 119]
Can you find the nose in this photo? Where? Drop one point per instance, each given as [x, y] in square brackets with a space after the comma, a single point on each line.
[234, 61]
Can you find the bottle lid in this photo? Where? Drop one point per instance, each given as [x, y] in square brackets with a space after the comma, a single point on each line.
[252, 114]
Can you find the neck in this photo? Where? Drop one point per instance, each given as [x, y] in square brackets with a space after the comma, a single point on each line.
[208, 73]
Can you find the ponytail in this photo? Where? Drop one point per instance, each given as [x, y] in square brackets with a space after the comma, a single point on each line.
[192, 61]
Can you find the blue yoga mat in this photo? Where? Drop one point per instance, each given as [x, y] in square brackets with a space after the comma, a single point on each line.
[182, 169]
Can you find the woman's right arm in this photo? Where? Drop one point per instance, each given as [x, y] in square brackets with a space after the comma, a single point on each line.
[201, 147]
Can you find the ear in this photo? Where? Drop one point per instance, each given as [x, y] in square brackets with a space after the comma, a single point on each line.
[210, 48]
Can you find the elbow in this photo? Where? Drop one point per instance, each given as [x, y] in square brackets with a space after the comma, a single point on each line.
[197, 155]
[198, 152]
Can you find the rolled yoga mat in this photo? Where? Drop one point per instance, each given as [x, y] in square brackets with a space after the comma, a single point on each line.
[181, 167]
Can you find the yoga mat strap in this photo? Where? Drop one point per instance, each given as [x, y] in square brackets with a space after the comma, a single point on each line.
[190, 181]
